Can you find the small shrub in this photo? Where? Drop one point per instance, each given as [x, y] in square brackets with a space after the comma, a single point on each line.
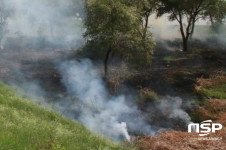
[147, 95]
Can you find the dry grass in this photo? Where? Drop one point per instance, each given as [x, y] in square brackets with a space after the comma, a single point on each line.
[213, 87]
[213, 80]
[177, 140]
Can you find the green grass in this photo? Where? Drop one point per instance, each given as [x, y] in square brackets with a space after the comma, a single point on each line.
[217, 91]
[26, 126]
[173, 59]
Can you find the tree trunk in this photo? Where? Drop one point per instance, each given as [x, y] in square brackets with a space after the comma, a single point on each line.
[106, 61]
[185, 44]
[145, 26]
[184, 37]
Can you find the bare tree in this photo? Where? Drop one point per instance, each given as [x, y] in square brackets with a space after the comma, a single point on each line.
[188, 12]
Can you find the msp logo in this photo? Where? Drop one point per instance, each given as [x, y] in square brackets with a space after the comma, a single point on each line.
[204, 128]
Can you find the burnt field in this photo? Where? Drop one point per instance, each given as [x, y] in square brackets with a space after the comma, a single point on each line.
[172, 75]
[115, 74]
[176, 88]
[26, 66]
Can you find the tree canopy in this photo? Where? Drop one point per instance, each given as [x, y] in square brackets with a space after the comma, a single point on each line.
[114, 25]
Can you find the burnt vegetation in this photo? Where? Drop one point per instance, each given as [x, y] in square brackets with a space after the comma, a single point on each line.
[170, 82]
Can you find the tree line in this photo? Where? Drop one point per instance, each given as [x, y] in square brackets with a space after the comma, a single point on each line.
[122, 26]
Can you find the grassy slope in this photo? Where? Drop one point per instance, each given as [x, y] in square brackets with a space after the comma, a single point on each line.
[24, 125]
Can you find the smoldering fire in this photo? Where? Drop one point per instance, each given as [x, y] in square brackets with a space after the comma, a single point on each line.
[102, 113]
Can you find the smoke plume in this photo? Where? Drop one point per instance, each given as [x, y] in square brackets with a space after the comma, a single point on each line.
[100, 112]
[172, 108]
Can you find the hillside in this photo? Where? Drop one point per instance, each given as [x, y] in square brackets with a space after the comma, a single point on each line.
[24, 125]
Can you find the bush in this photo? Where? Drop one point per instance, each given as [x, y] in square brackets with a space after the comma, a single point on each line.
[147, 95]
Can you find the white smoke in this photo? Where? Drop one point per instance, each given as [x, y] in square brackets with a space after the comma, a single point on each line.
[100, 112]
[57, 21]
[172, 108]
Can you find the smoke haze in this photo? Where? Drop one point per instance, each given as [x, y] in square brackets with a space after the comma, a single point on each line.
[58, 22]
[164, 30]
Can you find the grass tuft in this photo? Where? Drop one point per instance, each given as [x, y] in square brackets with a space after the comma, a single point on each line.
[213, 88]
[217, 91]
[173, 59]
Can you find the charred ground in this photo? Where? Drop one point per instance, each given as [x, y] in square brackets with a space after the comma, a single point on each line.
[173, 74]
